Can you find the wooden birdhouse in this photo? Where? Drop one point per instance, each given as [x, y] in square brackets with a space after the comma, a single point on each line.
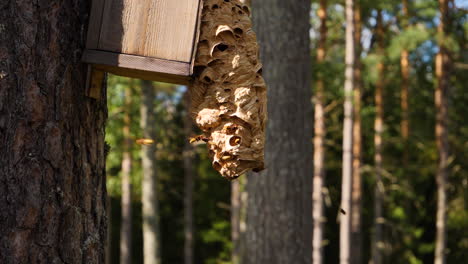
[147, 39]
[162, 40]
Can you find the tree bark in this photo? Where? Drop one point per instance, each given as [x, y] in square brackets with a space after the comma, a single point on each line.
[441, 131]
[319, 146]
[52, 162]
[149, 196]
[126, 223]
[235, 220]
[188, 181]
[356, 193]
[243, 202]
[108, 249]
[378, 243]
[346, 186]
[404, 64]
[279, 222]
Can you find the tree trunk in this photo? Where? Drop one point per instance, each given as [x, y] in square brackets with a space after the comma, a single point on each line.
[108, 249]
[378, 243]
[126, 224]
[443, 82]
[404, 63]
[278, 225]
[319, 146]
[188, 178]
[243, 202]
[149, 196]
[356, 193]
[52, 162]
[345, 218]
[235, 220]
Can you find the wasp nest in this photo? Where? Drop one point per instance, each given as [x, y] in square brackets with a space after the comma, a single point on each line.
[228, 94]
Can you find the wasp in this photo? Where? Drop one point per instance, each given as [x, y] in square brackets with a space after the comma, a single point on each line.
[198, 138]
[144, 141]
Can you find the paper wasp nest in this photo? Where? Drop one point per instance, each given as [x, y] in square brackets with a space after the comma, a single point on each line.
[228, 94]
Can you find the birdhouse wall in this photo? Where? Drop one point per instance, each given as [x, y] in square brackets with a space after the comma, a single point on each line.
[148, 39]
[162, 29]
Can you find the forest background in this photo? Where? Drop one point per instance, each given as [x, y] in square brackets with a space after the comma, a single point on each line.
[408, 189]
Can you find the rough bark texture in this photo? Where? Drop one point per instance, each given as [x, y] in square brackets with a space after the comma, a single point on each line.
[52, 162]
[279, 219]
[188, 188]
[319, 146]
[441, 131]
[126, 223]
[377, 239]
[404, 64]
[345, 218]
[149, 196]
[356, 192]
[228, 93]
[109, 242]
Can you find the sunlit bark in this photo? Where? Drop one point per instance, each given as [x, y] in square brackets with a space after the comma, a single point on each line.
[356, 206]
[442, 67]
[188, 185]
[377, 239]
[319, 146]
[149, 196]
[404, 64]
[345, 216]
[126, 224]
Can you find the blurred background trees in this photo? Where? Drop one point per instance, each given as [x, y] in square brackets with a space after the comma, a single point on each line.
[409, 78]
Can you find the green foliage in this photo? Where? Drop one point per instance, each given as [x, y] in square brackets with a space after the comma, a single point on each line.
[410, 191]
[408, 39]
[211, 192]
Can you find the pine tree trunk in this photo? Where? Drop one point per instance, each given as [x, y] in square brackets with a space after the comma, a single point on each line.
[188, 182]
[404, 63]
[319, 146]
[377, 241]
[278, 225]
[443, 82]
[108, 249]
[356, 193]
[346, 186]
[149, 196]
[126, 223]
[52, 161]
[242, 243]
[235, 220]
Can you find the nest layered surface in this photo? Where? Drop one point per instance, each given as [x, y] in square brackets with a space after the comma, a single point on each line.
[228, 94]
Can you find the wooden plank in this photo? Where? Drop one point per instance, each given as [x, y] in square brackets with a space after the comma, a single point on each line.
[145, 75]
[94, 25]
[156, 28]
[197, 35]
[139, 67]
[94, 82]
[136, 62]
